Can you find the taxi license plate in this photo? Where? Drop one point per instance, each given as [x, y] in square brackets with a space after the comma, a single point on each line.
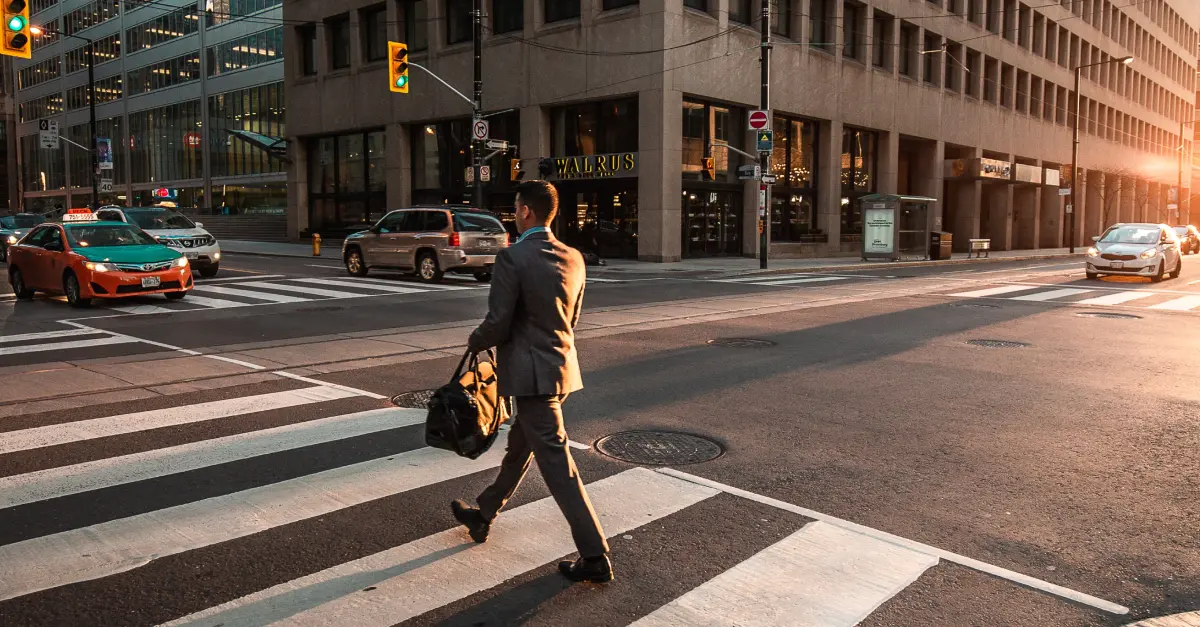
[151, 281]
[1117, 265]
[192, 256]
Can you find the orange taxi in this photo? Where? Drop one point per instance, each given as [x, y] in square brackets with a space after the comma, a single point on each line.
[84, 259]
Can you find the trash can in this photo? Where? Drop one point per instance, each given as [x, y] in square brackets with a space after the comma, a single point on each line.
[940, 245]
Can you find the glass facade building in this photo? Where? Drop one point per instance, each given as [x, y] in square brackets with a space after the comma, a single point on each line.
[189, 91]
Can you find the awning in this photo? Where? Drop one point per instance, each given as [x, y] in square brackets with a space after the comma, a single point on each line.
[274, 146]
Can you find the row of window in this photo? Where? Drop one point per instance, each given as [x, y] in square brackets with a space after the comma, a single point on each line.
[166, 73]
[162, 28]
[39, 73]
[250, 50]
[48, 36]
[164, 144]
[221, 11]
[89, 15]
[106, 49]
[107, 90]
[37, 6]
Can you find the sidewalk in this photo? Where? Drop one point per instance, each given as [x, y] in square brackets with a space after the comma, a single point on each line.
[710, 265]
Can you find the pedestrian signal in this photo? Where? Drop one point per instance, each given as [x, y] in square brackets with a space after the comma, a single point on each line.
[515, 171]
[710, 169]
[17, 38]
[398, 67]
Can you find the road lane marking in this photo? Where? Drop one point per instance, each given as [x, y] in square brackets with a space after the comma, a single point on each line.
[55, 346]
[361, 285]
[267, 296]
[140, 309]
[344, 388]
[432, 286]
[252, 277]
[48, 335]
[212, 303]
[301, 289]
[1051, 295]
[820, 575]
[78, 431]
[122, 545]
[993, 291]
[1115, 299]
[974, 564]
[1187, 303]
[811, 279]
[400, 578]
[104, 473]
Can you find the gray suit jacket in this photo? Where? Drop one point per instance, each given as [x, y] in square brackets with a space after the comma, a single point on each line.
[535, 300]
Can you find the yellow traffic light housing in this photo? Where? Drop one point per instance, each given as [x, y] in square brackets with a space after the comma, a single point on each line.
[18, 41]
[515, 171]
[398, 67]
[710, 169]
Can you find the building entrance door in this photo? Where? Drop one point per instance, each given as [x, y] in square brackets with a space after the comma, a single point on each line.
[712, 223]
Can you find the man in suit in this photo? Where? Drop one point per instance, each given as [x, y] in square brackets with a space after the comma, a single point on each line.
[535, 300]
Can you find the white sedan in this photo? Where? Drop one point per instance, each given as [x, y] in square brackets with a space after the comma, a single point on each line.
[1149, 250]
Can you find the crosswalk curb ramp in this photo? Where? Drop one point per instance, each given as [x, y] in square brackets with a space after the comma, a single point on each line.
[819, 571]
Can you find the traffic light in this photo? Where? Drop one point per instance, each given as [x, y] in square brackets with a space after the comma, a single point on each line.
[516, 173]
[398, 67]
[17, 38]
[710, 169]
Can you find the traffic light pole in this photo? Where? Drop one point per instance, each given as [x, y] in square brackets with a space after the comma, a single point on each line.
[91, 57]
[764, 158]
[476, 145]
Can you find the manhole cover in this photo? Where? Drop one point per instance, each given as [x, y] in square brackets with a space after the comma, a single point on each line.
[977, 306]
[997, 343]
[658, 448]
[1108, 314]
[740, 342]
[319, 309]
[418, 399]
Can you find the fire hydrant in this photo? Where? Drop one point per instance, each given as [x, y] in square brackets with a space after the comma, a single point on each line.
[316, 244]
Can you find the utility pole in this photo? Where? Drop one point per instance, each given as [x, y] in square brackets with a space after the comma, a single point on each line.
[476, 145]
[764, 158]
[1074, 206]
[91, 56]
[1179, 190]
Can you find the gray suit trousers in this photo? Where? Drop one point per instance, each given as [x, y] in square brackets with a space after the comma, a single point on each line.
[538, 433]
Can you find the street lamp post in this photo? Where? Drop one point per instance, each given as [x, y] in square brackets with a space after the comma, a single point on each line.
[1075, 145]
[91, 67]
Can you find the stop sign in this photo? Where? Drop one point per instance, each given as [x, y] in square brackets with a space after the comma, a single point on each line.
[759, 120]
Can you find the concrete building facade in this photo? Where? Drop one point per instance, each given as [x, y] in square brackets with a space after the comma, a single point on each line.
[964, 101]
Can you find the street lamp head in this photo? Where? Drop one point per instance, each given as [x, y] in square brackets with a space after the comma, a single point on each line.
[1127, 60]
[36, 31]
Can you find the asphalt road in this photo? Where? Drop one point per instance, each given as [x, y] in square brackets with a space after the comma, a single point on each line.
[987, 444]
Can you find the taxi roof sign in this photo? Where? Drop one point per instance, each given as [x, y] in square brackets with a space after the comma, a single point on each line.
[79, 215]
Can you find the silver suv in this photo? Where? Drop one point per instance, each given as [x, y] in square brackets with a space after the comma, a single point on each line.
[429, 241]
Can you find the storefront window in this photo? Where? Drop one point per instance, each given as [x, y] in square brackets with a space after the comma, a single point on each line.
[793, 202]
[344, 198]
[595, 128]
[707, 129]
[712, 222]
[442, 153]
[163, 143]
[858, 178]
[81, 161]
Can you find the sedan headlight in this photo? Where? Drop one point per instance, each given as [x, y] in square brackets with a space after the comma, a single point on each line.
[1093, 252]
[1149, 253]
[182, 262]
[100, 267]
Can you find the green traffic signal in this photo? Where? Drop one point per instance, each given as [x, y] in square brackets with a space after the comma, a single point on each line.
[401, 81]
[17, 23]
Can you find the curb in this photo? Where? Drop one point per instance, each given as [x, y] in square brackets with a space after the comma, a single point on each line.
[1186, 619]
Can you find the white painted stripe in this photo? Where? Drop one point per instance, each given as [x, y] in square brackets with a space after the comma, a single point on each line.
[1187, 303]
[311, 291]
[267, 296]
[984, 567]
[122, 545]
[761, 277]
[104, 473]
[54, 346]
[1115, 299]
[213, 303]
[435, 286]
[47, 335]
[253, 277]
[140, 309]
[436, 570]
[820, 575]
[52, 435]
[1051, 295]
[814, 279]
[361, 284]
[238, 362]
[993, 291]
[599, 280]
[344, 388]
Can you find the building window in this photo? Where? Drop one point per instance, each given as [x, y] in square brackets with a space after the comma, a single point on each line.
[608, 5]
[971, 78]
[821, 14]
[375, 34]
[42, 170]
[954, 63]
[508, 15]
[594, 128]
[221, 11]
[908, 50]
[931, 59]
[89, 15]
[794, 201]
[81, 160]
[559, 10]
[107, 90]
[161, 29]
[699, 5]
[991, 79]
[44, 107]
[459, 23]
[416, 25]
[707, 130]
[257, 110]
[781, 17]
[160, 146]
[858, 178]
[348, 191]
[740, 11]
[246, 52]
[882, 40]
[106, 49]
[164, 74]
[48, 36]
[308, 49]
[852, 28]
[338, 31]
[39, 72]
[37, 6]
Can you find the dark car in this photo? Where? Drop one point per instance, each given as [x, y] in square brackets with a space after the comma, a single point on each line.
[14, 227]
[1189, 239]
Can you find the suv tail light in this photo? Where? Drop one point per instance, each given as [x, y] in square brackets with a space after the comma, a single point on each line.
[455, 240]
[507, 238]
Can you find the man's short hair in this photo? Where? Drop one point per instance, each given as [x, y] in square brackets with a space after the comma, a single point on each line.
[541, 197]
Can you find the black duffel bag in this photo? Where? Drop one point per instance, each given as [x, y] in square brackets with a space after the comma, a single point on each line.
[465, 414]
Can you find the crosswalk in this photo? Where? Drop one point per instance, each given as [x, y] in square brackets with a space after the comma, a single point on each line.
[792, 280]
[1148, 298]
[271, 514]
